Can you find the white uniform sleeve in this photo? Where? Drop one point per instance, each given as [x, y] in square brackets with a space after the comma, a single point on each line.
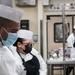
[70, 41]
[43, 66]
[6, 68]
[18, 61]
[7, 63]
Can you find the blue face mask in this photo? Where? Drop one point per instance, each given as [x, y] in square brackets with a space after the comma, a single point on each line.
[11, 39]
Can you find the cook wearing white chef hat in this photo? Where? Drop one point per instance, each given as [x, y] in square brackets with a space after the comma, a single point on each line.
[26, 51]
[25, 37]
[71, 46]
[9, 25]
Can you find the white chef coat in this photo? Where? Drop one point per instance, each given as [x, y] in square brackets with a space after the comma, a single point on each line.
[19, 66]
[7, 61]
[70, 40]
[43, 67]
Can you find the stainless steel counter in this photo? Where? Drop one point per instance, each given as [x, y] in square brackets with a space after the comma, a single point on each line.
[59, 62]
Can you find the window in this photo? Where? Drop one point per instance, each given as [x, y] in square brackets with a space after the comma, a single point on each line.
[58, 32]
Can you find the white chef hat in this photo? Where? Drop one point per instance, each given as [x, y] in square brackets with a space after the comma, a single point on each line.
[10, 13]
[74, 27]
[25, 34]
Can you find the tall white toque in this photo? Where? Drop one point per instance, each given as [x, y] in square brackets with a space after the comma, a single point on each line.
[10, 13]
[26, 34]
